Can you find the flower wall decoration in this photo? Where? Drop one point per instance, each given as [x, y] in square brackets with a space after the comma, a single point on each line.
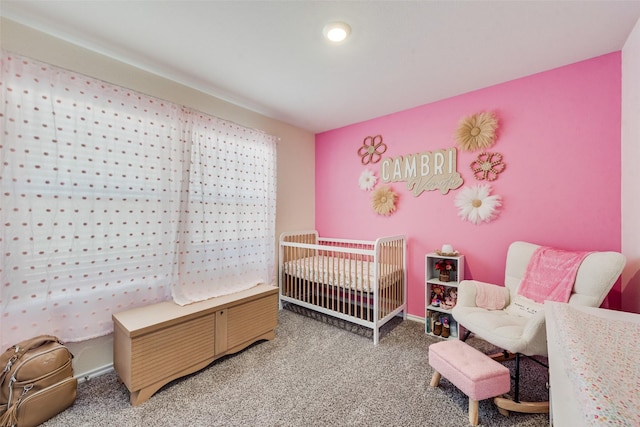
[383, 200]
[475, 204]
[476, 132]
[372, 149]
[487, 166]
[367, 180]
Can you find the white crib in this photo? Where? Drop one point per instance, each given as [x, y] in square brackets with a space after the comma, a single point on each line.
[363, 282]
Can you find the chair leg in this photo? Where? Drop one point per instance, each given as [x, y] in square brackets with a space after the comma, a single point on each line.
[503, 356]
[516, 391]
[505, 405]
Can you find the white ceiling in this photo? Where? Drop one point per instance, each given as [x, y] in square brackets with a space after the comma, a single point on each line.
[270, 57]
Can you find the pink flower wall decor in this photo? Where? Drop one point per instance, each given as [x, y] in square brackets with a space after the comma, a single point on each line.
[487, 166]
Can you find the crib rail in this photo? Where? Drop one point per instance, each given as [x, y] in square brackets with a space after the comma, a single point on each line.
[360, 281]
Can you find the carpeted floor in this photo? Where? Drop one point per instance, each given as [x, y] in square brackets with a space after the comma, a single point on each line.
[312, 374]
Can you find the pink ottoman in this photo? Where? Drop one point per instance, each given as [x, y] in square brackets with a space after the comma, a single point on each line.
[475, 374]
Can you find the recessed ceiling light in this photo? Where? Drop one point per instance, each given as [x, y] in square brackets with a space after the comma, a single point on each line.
[336, 31]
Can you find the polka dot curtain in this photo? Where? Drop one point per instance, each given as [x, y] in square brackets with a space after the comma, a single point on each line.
[111, 199]
[227, 220]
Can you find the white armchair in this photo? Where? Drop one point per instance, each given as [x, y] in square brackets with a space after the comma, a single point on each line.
[516, 328]
[516, 334]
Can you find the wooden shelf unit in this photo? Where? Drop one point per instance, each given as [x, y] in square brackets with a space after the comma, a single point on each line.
[158, 343]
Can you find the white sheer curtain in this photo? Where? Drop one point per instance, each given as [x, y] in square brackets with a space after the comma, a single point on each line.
[110, 199]
[227, 228]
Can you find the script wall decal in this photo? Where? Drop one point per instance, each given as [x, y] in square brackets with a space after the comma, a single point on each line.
[425, 171]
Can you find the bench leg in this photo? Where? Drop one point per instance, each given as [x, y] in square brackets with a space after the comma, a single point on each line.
[435, 379]
[473, 412]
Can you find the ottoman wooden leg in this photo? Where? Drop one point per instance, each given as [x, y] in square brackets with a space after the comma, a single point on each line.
[473, 412]
[435, 379]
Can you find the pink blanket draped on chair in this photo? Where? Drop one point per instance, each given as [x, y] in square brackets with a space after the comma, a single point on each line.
[551, 274]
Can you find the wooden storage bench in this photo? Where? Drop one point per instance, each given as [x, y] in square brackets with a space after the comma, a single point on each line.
[158, 343]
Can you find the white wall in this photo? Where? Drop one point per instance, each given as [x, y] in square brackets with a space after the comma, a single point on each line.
[296, 147]
[631, 171]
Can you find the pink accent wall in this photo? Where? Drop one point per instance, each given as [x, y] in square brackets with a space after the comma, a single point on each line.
[559, 134]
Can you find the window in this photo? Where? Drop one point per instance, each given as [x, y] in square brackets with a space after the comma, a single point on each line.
[113, 199]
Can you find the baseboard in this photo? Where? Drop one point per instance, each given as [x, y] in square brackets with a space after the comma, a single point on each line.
[86, 376]
[415, 318]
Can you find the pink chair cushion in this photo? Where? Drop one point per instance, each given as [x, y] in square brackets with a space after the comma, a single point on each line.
[475, 374]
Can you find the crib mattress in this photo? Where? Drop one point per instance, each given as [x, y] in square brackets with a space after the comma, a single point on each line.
[345, 273]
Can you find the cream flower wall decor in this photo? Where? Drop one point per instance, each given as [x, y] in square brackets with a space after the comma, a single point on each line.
[477, 132]
[475, 204]
[367, 180]
[383, 200]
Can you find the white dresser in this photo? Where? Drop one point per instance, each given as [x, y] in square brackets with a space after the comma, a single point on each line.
[593, 353]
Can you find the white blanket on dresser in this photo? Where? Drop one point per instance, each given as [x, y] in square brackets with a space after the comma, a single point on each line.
[602, 356]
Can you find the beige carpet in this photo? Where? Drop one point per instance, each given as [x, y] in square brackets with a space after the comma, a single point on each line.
[312, 374]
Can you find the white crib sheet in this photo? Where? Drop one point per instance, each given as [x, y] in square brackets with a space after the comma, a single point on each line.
[345, 273]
